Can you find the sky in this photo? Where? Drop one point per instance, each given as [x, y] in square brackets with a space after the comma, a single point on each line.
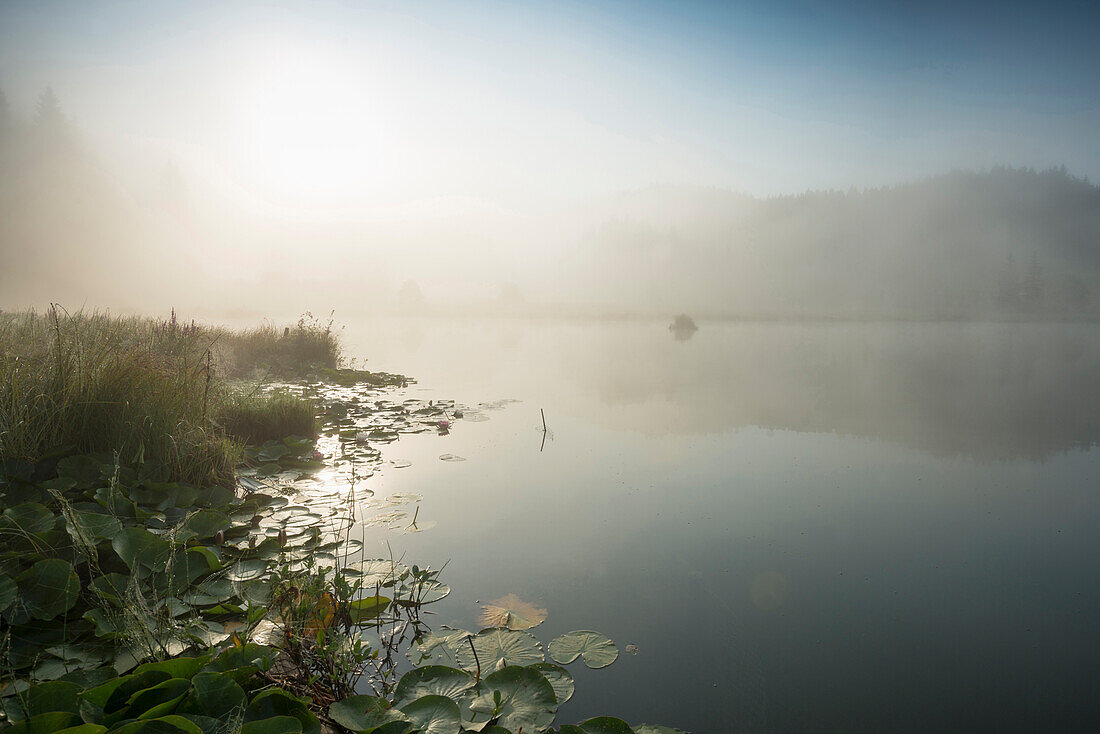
[365, 109]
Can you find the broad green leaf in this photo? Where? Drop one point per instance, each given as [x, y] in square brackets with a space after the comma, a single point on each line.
[53, 696]
[86, 471]
[434, 715]
[93, 526]
[248, 570]
[49, 723]
[517, 697]
[654, 729]
[597, 651]
[49, 588]
[159, 700]
[559, 678]
[365, 714]
[429, 680]
[178, 667]
[217, 694]
[203, 524]
[277, 702]
[438, 648]
[605, 725]
[495, 647]
[162, 725]
[84, 729]
[362, 610]
[29, 517]
[9, 591]
[274, 725]
[138, 547]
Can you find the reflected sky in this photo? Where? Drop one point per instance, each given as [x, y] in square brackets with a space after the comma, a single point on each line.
[747, 508]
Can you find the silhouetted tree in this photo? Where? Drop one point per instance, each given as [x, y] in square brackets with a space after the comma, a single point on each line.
[5, 115]
[1008, 284]
[1032, 290]
[48, 116]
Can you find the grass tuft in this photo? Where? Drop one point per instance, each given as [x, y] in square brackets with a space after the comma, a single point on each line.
[148, 390]
[262, 416]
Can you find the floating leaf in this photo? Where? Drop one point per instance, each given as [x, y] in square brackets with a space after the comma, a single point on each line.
[138, 547]
[438, 648]
[28, 517]
[605, 725]
[49, 588]
[434, 715]
[248, 570]
[366, 714]
[598, 651]
[217, 695]
[274, 725]
[496, 647]
[654, 729]
[9, 591]
[559, 679]
[519, 698]
[512, 612]
[93, 526]
[433, 680]
[277, 702]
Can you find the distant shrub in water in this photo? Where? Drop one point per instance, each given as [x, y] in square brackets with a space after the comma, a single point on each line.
[261, 416]
[294, 350]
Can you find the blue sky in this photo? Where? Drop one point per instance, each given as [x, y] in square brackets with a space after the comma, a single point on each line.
[511, 102]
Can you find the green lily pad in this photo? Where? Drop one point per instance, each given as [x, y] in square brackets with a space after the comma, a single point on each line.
[274, 725]
[365, 714]
[277, 702]
[496, 647]
[605, 725]
[217, 694]
[433, 680]
[93, 526]
[28, 517]
[9, 591]
[517, 697]
[137, 547]
[49, 588]
[597, 650]
[434, 715]
[560, 680]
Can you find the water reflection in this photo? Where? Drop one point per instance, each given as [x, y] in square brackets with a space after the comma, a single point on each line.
[983, 390]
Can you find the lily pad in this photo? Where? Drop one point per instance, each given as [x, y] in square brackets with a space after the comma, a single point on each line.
[434, 715]
[366, 714]
[433, 680]
[49, 588]
[597, 650]
[559, 679]
[512, 612]
[496, 647]
[518, 697]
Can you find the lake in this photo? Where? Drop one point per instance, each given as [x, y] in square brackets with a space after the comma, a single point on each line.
[802, 527]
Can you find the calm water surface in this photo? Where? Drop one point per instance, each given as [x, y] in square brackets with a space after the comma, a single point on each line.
[860, 528]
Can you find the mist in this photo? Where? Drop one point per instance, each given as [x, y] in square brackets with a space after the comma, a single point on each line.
[729, 366]
[368, 160]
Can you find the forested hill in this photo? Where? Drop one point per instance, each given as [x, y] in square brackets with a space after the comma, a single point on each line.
[1007, 243]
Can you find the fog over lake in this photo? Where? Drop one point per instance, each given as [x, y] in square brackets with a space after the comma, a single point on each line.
[868, 527]
[761, 337]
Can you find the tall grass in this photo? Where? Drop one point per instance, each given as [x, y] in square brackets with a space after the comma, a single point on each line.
[258, 416]
[309, 345]
[142, 389]
[127, 386]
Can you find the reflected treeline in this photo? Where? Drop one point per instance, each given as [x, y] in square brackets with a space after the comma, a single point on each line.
[989, 391]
